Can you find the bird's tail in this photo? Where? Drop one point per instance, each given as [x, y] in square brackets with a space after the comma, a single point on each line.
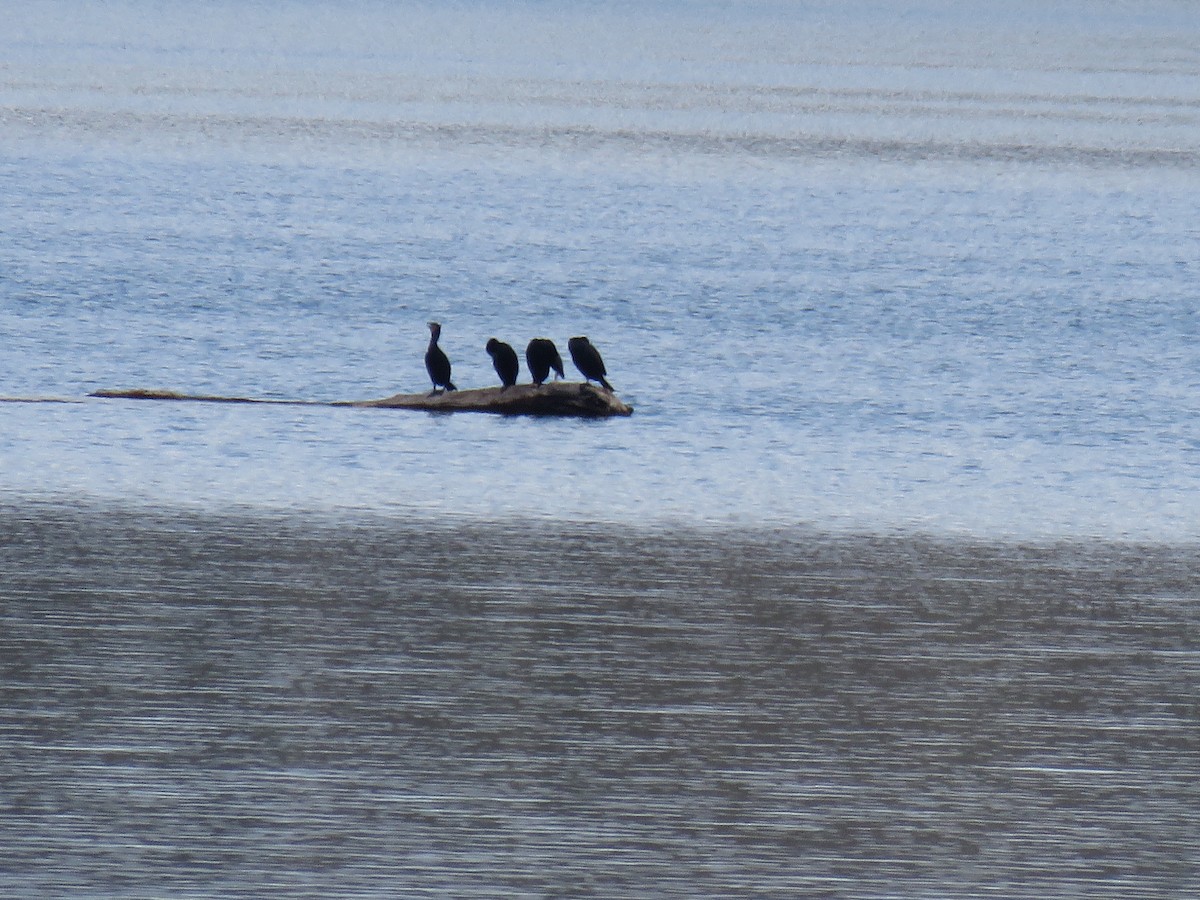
[450, 386]
[608, 387]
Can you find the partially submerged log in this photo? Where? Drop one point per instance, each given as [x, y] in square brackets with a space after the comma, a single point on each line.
[40, 400]
[151, 394]
[559, 398]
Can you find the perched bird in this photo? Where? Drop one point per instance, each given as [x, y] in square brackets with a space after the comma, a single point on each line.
[587, 360]
[541, 356]
[436, 361]
[504, 358]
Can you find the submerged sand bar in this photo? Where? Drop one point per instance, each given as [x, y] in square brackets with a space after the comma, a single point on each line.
[556, 399]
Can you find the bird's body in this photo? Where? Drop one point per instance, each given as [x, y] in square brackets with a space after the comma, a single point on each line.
[504, 358]
[437, 364]
[541, 356]
[587, 360]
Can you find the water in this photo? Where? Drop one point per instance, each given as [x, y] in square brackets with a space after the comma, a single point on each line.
[240, 705]
[857, 267]
[903, 296]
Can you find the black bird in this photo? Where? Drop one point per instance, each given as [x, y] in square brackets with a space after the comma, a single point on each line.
[436, 361]
[504, 358]
[541, 356]
[587, 360]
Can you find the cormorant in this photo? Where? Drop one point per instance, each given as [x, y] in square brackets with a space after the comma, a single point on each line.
[541, 356]
[504, 358]
[436, 361]
[587, 360]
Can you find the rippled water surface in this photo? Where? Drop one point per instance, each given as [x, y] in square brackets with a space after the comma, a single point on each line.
[888, 587]
[243, 705]
[854, 265]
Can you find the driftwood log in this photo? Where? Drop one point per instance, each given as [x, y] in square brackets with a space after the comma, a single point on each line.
[556, 399]
[561, 398]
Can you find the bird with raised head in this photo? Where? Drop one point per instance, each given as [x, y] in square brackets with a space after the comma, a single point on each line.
[437, 364]
[504, 358]
[587, 360]
[541, 356]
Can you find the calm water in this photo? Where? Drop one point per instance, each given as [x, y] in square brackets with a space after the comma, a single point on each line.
[889, 586]
[856, 266]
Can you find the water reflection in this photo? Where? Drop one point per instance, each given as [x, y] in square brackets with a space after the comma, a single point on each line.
[215, 705]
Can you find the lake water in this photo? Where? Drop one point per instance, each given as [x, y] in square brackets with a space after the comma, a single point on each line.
[889, 585]
[214, 706]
